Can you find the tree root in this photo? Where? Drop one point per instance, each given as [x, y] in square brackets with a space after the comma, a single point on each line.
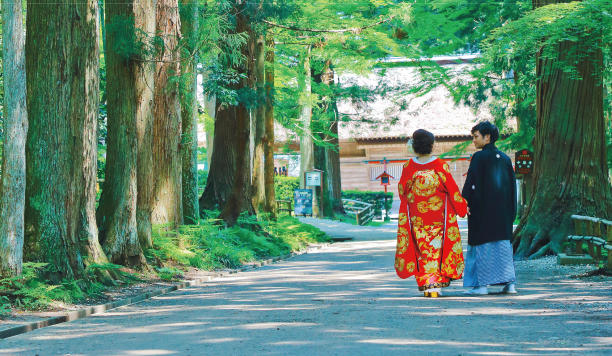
[542, 252]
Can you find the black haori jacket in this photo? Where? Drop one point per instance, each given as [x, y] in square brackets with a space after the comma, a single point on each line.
[490, 190]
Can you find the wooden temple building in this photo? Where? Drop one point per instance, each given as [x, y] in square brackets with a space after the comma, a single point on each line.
[371, 132]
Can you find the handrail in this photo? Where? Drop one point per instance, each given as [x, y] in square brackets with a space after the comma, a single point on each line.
[595, 220]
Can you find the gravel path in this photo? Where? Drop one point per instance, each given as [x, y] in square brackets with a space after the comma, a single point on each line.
[346, 299]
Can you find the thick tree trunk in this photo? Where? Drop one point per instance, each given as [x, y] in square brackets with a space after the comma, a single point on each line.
[307, 149]
[333, 183]
[332, 168]
[12, 185]
[239, 200]
[62, 95]
[167, 191]
[268, 140]
[116, 214]
[223, 160]
[571, 171]
[144, 74]
[189, 114]
[258, 181]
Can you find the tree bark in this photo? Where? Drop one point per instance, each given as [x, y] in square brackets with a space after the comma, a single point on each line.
[239, 200]
[223, 160]
[571, 170]
[333, 182]
[62, 66]
[12, 184]
[144, 74]
[307, 158]
[116, 214]
[268, 140]
[258, 181]
[332, 168]
[189, 114]
[167, 191]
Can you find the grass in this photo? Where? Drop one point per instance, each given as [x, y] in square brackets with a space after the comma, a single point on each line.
[208, 246]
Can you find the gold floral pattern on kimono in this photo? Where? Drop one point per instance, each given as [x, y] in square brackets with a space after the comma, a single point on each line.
[453, 233]
[433, 204]
[399, 263]
[459, 198]
[427, 236]
[410, 198]
[402, 244]
[400, 187]
[425, 183]
[442, 177]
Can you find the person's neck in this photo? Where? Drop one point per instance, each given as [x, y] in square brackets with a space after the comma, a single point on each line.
[423, 158]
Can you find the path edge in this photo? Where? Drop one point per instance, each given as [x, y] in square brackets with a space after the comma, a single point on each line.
[102, 308]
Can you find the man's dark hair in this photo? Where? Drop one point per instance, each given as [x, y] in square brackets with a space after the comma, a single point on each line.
[422, 142]
[487, 128]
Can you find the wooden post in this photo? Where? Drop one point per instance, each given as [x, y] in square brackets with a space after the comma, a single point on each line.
[609, 234]
[598, 234]
[578, 224]
[589, 232]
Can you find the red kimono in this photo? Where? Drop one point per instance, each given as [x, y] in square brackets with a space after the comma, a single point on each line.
[428, 240]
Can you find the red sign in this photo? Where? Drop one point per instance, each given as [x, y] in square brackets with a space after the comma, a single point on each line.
[523, 162]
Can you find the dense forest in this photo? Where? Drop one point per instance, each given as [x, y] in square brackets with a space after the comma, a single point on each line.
[105, 93]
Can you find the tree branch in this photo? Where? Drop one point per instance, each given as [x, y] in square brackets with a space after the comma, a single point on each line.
[352, 30]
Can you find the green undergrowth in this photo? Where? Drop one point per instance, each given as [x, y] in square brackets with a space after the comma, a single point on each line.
[32, 291]
[211, 246]
[208, 246]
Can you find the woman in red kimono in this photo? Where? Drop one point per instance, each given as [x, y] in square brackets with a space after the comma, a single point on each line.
[428, 240]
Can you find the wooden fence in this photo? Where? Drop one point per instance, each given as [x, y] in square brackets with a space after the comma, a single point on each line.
[363, 212]
[594, 236]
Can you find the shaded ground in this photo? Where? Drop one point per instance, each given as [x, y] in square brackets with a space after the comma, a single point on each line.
[342, 300]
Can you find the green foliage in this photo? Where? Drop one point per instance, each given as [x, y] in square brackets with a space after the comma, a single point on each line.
[375, 198]
[210, 246]
[284, 187]
[32, 291]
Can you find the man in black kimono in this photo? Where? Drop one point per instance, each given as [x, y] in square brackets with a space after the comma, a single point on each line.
[490, 190]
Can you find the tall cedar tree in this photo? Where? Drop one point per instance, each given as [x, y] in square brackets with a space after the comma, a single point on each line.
[268, 140]
[189, 112]
[258, 115]
[116, 214]
[571, 170]
[144, 74]
[62, 66]
[12, 185]
[239, 200]
[167, 190]
[229, 186]
[307, 153]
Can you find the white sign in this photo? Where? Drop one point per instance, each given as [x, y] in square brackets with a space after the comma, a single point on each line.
[313, 179]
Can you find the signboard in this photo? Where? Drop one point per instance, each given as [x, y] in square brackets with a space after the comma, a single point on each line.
[313, 179]
[523, 162]
[384, 181]
[302, 202]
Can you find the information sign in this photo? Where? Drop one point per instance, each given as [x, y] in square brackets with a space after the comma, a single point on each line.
[523, 162]
[302, 201]
[313, 179]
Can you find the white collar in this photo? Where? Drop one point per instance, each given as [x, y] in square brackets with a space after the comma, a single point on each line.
[430, 160]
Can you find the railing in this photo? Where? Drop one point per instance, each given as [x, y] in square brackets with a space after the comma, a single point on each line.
[593, 236]
[363, 212]
[287, 203]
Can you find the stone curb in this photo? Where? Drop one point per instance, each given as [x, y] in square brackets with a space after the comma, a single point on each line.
[98, 309]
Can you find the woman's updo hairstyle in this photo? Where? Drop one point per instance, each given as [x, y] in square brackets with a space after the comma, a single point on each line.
[422, 142]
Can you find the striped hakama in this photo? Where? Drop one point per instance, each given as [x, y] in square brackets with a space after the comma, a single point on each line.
[489, 264]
